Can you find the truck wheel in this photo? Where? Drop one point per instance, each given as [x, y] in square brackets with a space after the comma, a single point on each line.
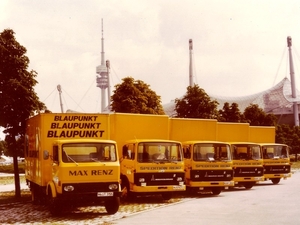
[248, 185]
[37, 195]
[166, 196]
[275, 180]
[191, 191]
[126, 193]
[34, 195]
[54, 206]
[216, 191]
[112, 206]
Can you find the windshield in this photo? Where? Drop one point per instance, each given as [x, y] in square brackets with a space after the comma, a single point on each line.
[246, 152]
[159, 151]
[211, 152]
[275, 152]
[88, 152]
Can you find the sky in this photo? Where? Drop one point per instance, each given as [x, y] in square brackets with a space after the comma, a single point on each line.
[239, 47]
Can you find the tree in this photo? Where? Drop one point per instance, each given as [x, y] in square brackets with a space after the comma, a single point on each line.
[196, 104]
[255, 116]
[230, 113]
[18, 99]
[135, 97]
[289, 135]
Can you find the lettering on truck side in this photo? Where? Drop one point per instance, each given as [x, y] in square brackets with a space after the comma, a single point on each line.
[160, 168]
[75, 127]
[75, 133]
[93, 172]
[75, 118]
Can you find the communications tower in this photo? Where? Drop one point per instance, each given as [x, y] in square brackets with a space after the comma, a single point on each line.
[102, 77]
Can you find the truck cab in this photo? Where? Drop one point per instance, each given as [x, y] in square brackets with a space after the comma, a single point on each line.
[276, 161]
[208, 166]
[247, 164]
[151, 167]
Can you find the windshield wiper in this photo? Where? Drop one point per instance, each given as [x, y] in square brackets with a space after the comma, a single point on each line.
[72, 159]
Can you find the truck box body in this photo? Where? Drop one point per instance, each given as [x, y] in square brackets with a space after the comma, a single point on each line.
[185, 129]
[229, 132]
[262, 134]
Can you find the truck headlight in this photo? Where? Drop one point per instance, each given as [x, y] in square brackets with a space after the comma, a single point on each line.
[55, 179]
[68, 188]
[179, 178]
[113, 187]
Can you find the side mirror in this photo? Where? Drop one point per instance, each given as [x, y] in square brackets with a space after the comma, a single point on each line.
[46, 155]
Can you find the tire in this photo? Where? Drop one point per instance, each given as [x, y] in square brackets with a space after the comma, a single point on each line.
[126, 194]
[248, 185]
[54, 207]
[191, 191]
[216, 191]
[112, 206]
[275, 180]
[166, 196]
[37, 195]
[34, 195]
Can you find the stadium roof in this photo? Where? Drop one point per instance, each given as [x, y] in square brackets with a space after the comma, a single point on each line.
[277, 100]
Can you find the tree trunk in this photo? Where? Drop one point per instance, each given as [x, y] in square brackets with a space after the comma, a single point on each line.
[16, 171]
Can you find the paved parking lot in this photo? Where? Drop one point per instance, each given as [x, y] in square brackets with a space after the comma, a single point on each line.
[265, 204]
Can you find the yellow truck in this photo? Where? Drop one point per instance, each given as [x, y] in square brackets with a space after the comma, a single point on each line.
[246, 155]
[208, 163]
[276, 160]
[150, 162]
[247, 164]
[70, 161]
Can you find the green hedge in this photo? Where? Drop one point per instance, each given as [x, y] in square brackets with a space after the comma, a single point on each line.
[10, 168]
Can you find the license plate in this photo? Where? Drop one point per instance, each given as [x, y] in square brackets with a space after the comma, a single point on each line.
[104, 194]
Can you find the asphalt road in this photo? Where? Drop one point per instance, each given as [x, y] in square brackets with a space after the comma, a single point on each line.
[264, 204]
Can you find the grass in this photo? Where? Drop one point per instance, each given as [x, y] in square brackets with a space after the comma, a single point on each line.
[296, 165]
[10, 168]
[9, 196]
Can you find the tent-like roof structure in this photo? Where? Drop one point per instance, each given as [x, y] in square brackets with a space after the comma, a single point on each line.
[277, 100]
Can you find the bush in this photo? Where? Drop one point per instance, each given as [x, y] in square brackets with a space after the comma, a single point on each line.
[293, 158]
[10, 168]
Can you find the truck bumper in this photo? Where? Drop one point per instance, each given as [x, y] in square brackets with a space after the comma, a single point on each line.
[247, 179]
[158, 189]
[272, 176]
[210, 184]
